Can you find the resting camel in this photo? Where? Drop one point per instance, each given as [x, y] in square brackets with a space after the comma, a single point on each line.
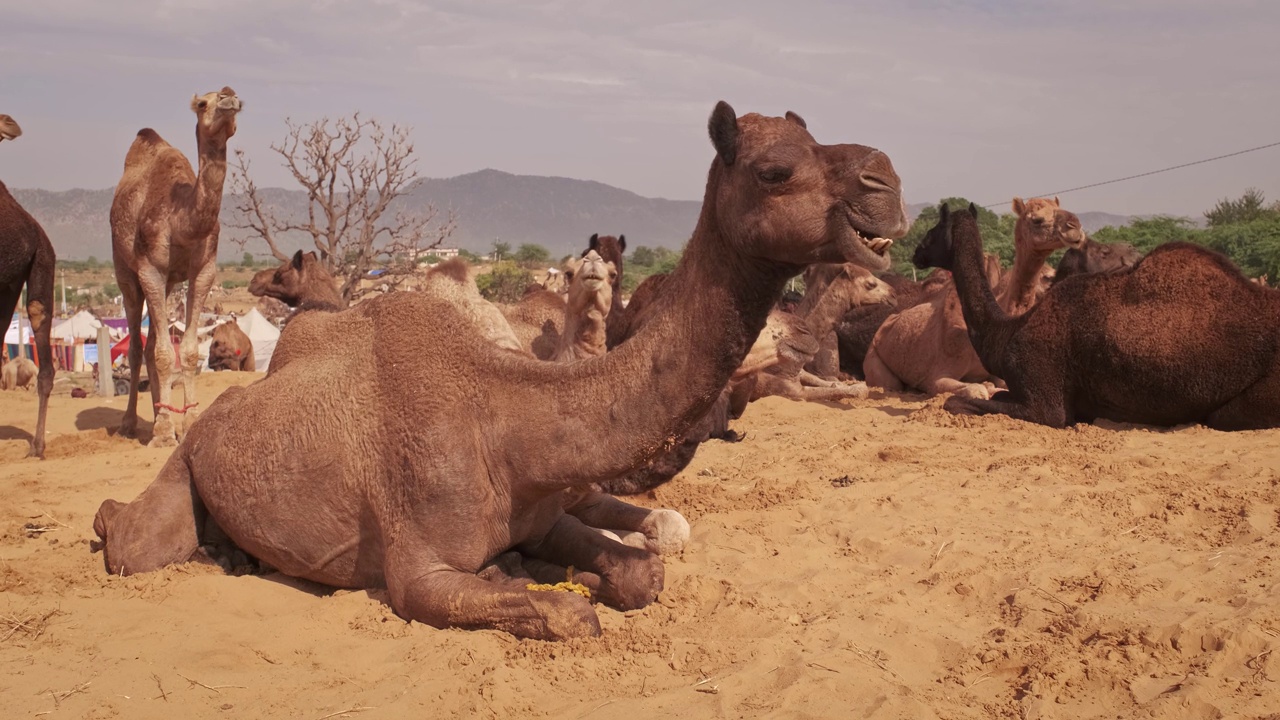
[1096, 256]
[855, 331]
[18, 373]
[428, 452]
[301, 282]
[164, 231]
[27, 258]
[231, 349]
[927, 347]
[1181, 337]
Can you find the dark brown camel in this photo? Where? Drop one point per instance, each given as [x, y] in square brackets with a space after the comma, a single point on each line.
[231, 349]
[428, 451]
[1181, 337]
[26, 257]
[1096, 256]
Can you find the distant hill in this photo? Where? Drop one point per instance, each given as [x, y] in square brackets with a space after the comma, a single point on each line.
[557, 213]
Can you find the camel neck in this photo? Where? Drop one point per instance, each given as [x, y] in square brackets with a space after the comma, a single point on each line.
[210, 178]
[583, 334]
[1027, 266]
[652, 388]
[823, 309]
[978, 303]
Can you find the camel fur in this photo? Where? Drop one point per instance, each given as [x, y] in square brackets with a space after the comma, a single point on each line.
[1096, 256]
[231, 349]
[1181, 337]
[301, 282]
[927, 347]
[27, 258]
[164, 231]
[428, 453]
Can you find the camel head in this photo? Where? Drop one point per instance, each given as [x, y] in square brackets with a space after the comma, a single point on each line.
[781, 196]
[289, 282]
[859, 287]
[590, 281]
[610, 248]
[216, 115]
[9, 129]
[936, 249]
[1043, 226]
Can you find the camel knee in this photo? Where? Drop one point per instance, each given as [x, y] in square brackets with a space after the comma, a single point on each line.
[878, 374]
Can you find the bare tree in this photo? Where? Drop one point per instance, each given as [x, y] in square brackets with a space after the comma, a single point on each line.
[352, 169]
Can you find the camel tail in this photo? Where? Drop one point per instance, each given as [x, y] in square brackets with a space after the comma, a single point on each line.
[158, 528]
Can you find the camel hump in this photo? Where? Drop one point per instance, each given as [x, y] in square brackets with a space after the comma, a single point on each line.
[455, 269]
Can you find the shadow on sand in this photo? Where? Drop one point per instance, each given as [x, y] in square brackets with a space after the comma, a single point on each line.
[9, 432]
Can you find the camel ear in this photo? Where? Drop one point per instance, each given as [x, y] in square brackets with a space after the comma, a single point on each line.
[1018, 206]
[312, 255]
[944, 212]
[594, 242]
[723, 128]
[297, 260]
[195, 103]
[797, 120]
[973, 210]
[1055, 201]
[622, 242]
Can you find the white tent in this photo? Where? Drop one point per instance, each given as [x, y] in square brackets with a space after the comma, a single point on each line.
[16, 335]
[261, 333]
[81, 326]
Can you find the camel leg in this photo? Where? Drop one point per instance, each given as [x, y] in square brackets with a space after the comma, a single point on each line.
[158, 528]
[878, 373]
[856, 391]
[664, 531]
[1256, 408]
[131, 295]
[630, 578]
[518, 571]
[431, 592]
[40, 310]
[159, 357]
[977, 391]
[189, 349]
[1048, 411]
[808, 379]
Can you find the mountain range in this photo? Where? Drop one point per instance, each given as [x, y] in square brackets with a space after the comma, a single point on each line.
[490, 205]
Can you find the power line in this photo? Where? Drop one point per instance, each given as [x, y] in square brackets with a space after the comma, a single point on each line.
[1145, 174]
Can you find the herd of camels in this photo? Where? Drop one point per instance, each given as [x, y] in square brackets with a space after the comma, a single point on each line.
[454, 453]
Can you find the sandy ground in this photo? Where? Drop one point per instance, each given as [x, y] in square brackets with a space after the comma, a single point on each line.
[881, 559]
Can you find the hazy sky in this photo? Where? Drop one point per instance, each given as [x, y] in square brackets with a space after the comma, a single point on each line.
[981, 98]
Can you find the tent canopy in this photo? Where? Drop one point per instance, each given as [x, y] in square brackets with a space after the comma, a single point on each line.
[81, 326]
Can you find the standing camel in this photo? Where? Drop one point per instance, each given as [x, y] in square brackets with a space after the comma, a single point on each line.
[164, 231]
[430, 451]
[26, 257]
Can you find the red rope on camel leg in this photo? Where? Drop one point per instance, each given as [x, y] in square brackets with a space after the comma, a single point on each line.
[173, 409]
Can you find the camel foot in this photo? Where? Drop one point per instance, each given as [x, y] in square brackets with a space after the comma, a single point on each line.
[162, 433]
[564, 615]
[632, 582]
[36, 450]
[666, 530]
[128, 428]
[959, 404]
[163, 441]
[974, 391]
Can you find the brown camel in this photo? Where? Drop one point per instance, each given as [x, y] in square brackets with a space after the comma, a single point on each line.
[591, 282]
[18, 374]
[611, 249]
[815, 318]
[927, 347]
[858, 327]
[26, 257]
[537, 321]
[831, 293]
[164, 231]
[231, 349]
[301, 282]
[428, 452]
[1096, 256]
[1181, 337]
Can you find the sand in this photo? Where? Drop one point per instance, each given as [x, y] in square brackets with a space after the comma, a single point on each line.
[878, 559]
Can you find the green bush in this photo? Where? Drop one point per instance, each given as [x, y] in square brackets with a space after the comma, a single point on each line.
[504, 283]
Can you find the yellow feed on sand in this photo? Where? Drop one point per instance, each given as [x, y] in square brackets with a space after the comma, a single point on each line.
[567, 586]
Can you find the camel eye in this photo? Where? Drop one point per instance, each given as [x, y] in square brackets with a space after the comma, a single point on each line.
[775, 175]
[203, 104]
[1038, 221]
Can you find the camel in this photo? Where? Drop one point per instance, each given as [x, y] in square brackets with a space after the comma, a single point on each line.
[18, 374]
[301, 282]
[1180, 337]
[591, 282]
[611, 249]
[855, 331]
[27, 258]
[231, 349]
[1096, 256]
[831, 293]
[164, 231]
[927, 347]
[428, 452]
[537, 321]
